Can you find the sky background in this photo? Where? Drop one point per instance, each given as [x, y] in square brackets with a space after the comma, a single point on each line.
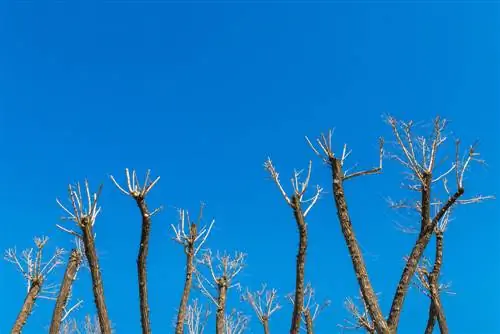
[202, 93]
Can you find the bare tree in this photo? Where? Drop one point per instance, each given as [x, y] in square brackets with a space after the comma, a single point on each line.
[60, 312]
[236, 323]
[361, 317]
[139, 193]
[420, 160]
[192, 241]
[196, 318]
[295, 202]
[222, 274]
[310, 308]
[264, 304]
[35, 272]
[90, 325]
[84, 213]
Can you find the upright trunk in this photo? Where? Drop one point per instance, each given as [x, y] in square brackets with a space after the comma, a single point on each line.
[220, 316]
[300, 266]
[141, 266]
[265, 324]
[309, 322]
[27, 307]
[95, 271]
[355, 253]
[69, 276]
[179, 328]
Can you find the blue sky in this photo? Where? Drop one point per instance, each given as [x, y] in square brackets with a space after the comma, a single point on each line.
[202, 93]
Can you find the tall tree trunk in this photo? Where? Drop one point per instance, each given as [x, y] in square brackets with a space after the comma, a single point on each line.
[179, 328]
[220, 316]
[27, 307]
[355, 253]
[95, 271]
[69, 276]
[300, 266]
[141, 265]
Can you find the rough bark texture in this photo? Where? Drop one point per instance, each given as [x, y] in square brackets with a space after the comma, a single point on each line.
[354, 251]
[309, 322]
[95, 271]
[300, 266]
[74, 262]
[189, 250]
[142, 266]
[221, 306]
[411, 265]
[27, 307]
[436, 309]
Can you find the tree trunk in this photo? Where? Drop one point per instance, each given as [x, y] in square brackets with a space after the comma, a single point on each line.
[265, 324]
[220, 316]
[436, 306]
[69, 276]
[309, 322]
[141, 266]
[95, 271]
[416, 253]
[300, 266]
[354, 251]
[27, 307]
[179, 328]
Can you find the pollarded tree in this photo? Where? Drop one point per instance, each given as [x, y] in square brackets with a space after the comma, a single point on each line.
[296, 202]
[35, 271]
[264, 304]
[192, 241]
[84, 211]
[419, 155]
[138, 193]
[220, 280]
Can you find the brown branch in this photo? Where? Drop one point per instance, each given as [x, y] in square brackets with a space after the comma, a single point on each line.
[141, 264]
[72, 267]
[308, 319]
[27, 307]
[353, 247]
[190, 252]
[436, 306]
[300, 265]
[222, 287]
[414, 258]
[95, 272]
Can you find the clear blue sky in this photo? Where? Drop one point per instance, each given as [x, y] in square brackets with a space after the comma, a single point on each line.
[202, 93]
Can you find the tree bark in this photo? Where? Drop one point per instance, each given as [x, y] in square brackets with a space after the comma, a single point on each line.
[436, 311]
[95, 271]
[300, 266]
[179, 328]
[265, 324]
[142, 266]
[309, 322]
[355, 253]
[415, 256]
[69, 276]
[220, 316]
[27, 307]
